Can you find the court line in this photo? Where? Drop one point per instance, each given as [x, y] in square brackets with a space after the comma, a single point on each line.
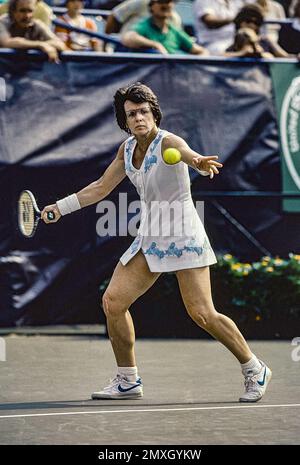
[184, 409]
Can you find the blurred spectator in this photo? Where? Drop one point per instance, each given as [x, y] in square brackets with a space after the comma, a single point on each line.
[251, 16]
[214, 23]
[291, 8]
[157, 33]
[246, 44]
[42, 12]
[290, 34]
[287, 5]
[271, 11]
[130, 12]
[19, 30]
[75, 40]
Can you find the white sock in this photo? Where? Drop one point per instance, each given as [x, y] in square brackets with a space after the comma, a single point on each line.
[253, 366]
[130, 373]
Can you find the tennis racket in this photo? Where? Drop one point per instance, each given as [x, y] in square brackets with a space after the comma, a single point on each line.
[29, 214]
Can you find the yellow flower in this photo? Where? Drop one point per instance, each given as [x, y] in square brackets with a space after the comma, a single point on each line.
[257, 318]
[264, 263]
[266, 259]
[278, 261]
[248, 266]
[270, 269]
[228, 256]
[236, 266]
[245, 272]
[296, 257]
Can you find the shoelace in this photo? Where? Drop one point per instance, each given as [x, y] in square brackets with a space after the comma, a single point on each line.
[250, 384]
[113, 382]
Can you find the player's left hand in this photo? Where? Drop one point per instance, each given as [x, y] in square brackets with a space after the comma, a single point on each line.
[208, 164]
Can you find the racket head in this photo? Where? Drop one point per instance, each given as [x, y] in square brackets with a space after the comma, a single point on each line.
[28, 213]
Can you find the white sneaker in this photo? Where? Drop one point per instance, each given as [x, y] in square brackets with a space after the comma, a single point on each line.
[256, 385]
[121, 388]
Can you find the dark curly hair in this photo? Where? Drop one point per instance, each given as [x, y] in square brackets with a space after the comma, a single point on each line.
[136, 93]
[249, 12]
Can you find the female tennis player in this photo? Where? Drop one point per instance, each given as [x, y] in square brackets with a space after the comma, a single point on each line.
[188, 252]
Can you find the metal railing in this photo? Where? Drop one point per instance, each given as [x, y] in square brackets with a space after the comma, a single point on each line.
[98, 35]
[139, 56]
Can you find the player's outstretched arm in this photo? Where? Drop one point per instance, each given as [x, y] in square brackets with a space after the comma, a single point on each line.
[92, 193]
[206, 165]
[101, 188]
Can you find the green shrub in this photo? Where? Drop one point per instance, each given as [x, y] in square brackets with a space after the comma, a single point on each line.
[266, 288]
[262, 297]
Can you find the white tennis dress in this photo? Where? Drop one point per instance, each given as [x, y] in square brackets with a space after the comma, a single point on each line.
[171, 234]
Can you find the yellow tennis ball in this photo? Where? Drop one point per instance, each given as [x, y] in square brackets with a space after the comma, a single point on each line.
[171, 156]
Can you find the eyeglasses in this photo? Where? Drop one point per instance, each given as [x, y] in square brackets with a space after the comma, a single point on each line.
[132, 113]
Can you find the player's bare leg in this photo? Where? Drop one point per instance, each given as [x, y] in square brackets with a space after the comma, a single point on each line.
[127, 284]
[195, 289]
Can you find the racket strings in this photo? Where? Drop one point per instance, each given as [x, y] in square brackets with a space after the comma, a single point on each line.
[26, 214]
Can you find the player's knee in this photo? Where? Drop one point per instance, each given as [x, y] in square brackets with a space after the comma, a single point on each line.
[204, 315]
[111, 305]
[108, 304]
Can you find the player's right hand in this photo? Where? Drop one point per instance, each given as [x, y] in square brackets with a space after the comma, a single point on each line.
[160, 48]
[51, 208]
[50, 51]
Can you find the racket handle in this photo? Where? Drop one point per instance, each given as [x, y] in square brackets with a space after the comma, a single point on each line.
[50, 216]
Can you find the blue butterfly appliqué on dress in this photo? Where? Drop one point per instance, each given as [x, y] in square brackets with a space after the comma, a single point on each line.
[135, 245]
[151, 159]
[129, 145]
[172, 250]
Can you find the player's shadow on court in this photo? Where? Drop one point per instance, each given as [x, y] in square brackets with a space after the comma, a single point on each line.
[62, 404]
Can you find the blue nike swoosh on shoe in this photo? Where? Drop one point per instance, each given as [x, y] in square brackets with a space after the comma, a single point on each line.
[261, 383]
[127, 389]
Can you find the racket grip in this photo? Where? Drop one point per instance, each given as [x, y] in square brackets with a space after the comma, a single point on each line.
[50, 216]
